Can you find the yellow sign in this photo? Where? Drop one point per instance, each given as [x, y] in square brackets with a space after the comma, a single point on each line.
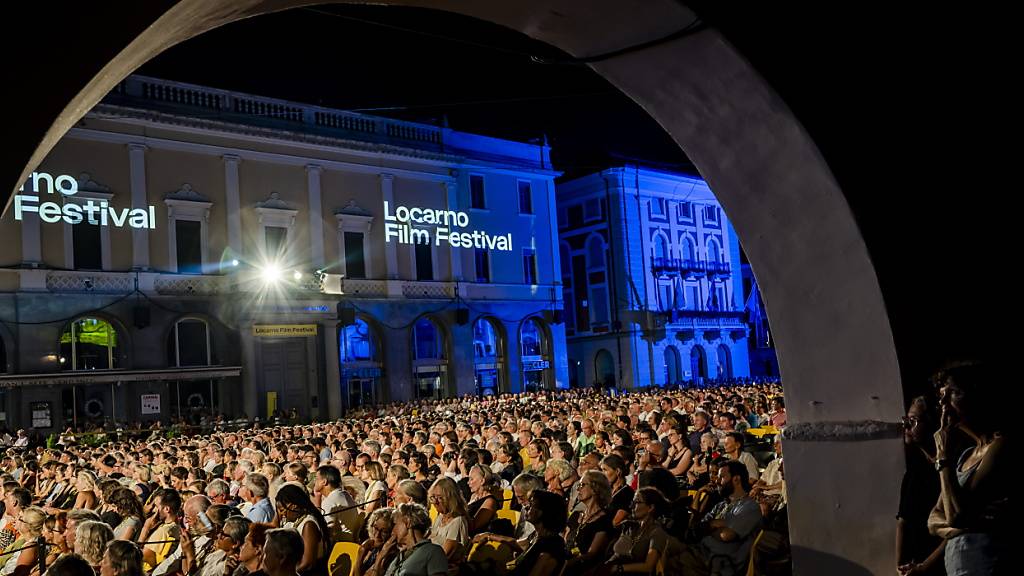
[284, 330]
[271, 404]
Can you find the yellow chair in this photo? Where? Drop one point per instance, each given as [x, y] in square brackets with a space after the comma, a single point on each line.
[752, 565]
[506, 502]
[433, 513]
[511, 515]
[342, 561]
[490, 558]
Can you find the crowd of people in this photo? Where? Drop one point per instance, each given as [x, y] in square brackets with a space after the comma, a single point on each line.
[570, 482]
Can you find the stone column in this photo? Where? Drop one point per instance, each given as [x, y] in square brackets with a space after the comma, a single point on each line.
[452, 199]
[137, 184]
[232, 202]
[316, 220]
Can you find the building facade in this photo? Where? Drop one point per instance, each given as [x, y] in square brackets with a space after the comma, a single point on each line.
[186, 248]
[651, 281]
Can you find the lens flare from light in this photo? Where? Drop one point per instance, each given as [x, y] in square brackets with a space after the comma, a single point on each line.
[271, 274]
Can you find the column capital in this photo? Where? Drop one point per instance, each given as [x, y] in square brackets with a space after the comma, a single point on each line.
[314, 168]
[136, 147]
[235, 158]
[385, 177]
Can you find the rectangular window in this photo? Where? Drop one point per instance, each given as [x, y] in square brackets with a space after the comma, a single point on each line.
[563, 218]
[592, 210]
[525, 197]
[276, 241]
[569, 311]
[424, 262]
[685, 210]
[711, 214]
[87, 246]
[692, 298]
[579, 287]
[599, 304]
[575, 216]
[483, 265]
[658, 207]
[189, 246]
[476, 191]
[529, 266]
[355, 266]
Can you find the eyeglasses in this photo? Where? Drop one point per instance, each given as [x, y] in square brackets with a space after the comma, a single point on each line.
[911, 421]
[435, 498]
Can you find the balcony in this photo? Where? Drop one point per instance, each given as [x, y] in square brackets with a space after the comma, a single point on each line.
[704, 319]
[672, 266]
[720, 269]
[425, 290]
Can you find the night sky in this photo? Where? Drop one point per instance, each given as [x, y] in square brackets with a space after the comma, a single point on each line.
[428, 66]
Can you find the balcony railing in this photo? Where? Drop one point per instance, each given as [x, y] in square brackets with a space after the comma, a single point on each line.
[686, 266]
[718, 268]
[704, 318]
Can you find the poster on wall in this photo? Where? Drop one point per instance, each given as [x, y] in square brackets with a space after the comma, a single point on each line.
[150, 403]
[41, 414]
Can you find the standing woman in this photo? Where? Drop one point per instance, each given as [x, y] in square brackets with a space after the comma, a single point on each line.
[973, 512]
[299, 512]
[615, 470]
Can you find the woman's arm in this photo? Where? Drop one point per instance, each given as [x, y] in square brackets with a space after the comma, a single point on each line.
[597, 548]
[546, 564]
[368, 508]
[311, 543]
[645, 567]
[357, 568]
[484, 515]
[684, 463]
[518, 546]
[27, 560]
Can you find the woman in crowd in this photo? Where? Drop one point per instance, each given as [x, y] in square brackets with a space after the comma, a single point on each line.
[450, 529]
[416, 555]
[974, 513]
[373, 475]
[298, 512]
[126, 503]
[29, 527]
[91, 538]
[679, 457]
[380, 526]
[411, 492]
[485, 498]
[588, 540]
[547, 512]
[699, 473]
[615, 470]
[249, 555]
[121, 558]
[644, 541]
[511, 460]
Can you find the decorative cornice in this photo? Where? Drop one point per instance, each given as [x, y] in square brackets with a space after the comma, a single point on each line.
[275, 203]
[352, 209]
[186, 193]
[87, 184]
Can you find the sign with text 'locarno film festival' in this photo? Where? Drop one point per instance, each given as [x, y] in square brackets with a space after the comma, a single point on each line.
[87, 210]
[409, 226]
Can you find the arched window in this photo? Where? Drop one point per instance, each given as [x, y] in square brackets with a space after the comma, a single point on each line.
[714, 255]
[356, 342]
[427, 341]
[360, 367]
[429, 366]
[604, 369]
[487, 358]
[485, 340]
[89, 344]
[689, 251]
[660, 247]
[698, 362]
[595, 253]
[189, 343]
[672, 375]
[533, 339]
[724, 362]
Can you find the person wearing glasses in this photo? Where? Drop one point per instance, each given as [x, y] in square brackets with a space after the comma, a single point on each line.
[450, 529]
[546, 511]
[680, 456]
[644, 541]
[589, 538]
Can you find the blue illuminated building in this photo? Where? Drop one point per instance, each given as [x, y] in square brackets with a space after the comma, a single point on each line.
[651, 277]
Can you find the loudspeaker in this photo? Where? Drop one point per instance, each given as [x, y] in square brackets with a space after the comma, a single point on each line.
[141, 317]
[346, 314]
[462, 316]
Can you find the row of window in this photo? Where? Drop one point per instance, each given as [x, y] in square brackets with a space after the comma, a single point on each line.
[478, 194]
[661, 248]
[94, 344]
[712, 215]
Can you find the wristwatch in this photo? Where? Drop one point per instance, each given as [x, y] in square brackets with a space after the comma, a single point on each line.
[941, 463]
